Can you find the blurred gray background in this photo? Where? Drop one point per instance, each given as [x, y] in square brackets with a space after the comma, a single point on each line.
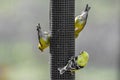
[20, 58]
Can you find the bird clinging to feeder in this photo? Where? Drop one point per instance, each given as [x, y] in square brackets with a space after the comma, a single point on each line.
[75, 63]
[44, 38]
[80, 22]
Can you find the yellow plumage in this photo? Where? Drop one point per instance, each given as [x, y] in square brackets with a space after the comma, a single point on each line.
[43, 44]
[80, 22]
[76, 63]
[81, 60]
[78, 26]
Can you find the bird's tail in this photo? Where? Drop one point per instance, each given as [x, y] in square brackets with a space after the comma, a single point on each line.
[61, 70]
[87, 8]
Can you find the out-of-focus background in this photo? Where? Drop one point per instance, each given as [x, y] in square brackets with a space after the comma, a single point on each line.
[20, 58]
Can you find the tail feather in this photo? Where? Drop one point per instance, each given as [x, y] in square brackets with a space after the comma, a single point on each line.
[61, 70]
[87, 8]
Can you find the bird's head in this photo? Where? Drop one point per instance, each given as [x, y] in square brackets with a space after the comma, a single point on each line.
[84, 54]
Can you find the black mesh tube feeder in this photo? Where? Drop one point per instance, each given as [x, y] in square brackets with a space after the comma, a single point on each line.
[62, 42]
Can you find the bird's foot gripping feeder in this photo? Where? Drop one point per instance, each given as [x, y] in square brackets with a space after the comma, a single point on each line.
[62, 39]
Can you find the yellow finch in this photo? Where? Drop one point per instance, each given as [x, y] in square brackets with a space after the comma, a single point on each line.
[80, 21]
[44, 38]
[75, 63]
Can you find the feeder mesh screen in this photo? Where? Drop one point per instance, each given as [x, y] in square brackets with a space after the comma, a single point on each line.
[62, 42]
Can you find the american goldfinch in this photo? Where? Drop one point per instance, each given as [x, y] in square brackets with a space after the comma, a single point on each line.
[44, 38]
[80, 21]
[75, 63]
